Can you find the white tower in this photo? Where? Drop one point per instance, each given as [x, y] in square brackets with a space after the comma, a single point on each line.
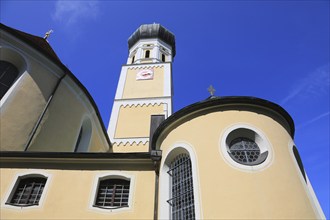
[144, 88]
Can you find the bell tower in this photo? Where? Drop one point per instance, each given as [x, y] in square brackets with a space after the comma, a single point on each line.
[144, 88]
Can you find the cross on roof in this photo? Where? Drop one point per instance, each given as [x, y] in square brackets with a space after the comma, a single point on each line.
[211, 90]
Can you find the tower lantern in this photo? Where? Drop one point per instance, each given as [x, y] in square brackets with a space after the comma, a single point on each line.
[151, 43]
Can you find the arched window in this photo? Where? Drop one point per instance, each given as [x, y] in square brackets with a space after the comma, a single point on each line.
[182, 192]
[147, 54]
[299, 161]
[112, 193]
[27, 191]
[133, 58]
[8, 74]
[84, 136]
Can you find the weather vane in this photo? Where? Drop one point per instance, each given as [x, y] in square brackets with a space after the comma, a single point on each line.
[48, 34]
[211, 90]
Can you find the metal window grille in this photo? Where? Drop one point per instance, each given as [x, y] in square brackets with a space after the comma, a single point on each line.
[28, 191]
[113, 193]
[182, 198]
[244, 150]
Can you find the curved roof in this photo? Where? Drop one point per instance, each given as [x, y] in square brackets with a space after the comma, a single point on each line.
[147, 31]
[227, 101]
[41, 45]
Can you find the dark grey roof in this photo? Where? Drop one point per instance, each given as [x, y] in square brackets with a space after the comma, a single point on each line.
[147, 31]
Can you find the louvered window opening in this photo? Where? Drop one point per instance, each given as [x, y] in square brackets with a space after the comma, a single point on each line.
[244, 150]
[113, 193]
[28, 191]
[182, 195]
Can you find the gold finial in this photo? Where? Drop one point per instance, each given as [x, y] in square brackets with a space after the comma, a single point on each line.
[48, 34]
[211, 90]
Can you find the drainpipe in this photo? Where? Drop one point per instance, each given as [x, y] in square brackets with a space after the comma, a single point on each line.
[156, 156]
[34, 130]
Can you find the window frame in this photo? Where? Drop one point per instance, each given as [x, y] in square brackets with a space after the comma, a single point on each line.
[111, 175]
[114, 194]
[164, 183]
[266, 157]
[6, 203]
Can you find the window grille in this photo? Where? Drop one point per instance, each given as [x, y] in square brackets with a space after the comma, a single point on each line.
[244, 150]
[113, 193]
[182, 197]
[8, 74]
[28, 191]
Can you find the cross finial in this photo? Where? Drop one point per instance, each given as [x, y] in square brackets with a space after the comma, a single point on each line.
[211, 90]
[48, 34]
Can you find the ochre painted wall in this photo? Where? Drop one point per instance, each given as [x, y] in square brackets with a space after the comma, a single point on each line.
[144, 88]
[276, 192]
[68, 195]
[134, 121]
[134, 147]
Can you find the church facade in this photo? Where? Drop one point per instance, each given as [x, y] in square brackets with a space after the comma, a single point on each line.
[220, 158]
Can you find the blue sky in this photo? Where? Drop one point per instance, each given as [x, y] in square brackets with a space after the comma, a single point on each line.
[275, 50]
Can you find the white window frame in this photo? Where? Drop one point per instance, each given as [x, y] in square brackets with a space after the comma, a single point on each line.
[12, 189]
[261, 140]
[112, 175]
[164, 181]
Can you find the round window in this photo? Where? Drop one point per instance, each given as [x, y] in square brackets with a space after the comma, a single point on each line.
[244, 150]
[244, 147]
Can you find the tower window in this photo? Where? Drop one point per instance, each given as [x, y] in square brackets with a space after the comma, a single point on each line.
[28, 191]
[147, 54]
[182, 195]
[163, 57]
[133, 58]
[8, 74]
[112, 193]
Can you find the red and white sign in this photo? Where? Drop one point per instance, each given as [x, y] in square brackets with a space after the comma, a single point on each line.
[145, 74]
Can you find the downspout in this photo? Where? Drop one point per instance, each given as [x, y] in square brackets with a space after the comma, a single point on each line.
[156, 156]
[156, 194]
[34, 130]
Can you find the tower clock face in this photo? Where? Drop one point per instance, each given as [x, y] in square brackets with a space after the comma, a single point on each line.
[145, 74]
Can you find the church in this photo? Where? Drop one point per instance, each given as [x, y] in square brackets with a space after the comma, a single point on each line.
[220, 158]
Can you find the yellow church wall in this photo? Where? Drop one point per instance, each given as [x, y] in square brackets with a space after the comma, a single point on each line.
[68, 194]
[134, 121]
[60, 127]
[144, 88]
[226, 192]
[22, 108]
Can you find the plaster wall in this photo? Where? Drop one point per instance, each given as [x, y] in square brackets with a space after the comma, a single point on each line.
[23, 103]
[69, 194]
[134, 121]
[144, 88]
[277, 191]
[60, 127]
[134, 147]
